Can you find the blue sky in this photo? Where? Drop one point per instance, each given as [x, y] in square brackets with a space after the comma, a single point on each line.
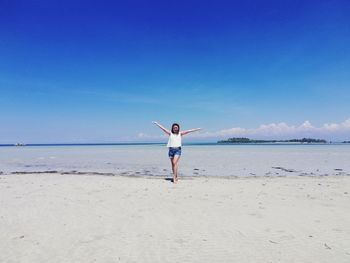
[102, 71]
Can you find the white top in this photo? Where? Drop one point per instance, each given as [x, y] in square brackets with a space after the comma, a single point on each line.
[174, 140]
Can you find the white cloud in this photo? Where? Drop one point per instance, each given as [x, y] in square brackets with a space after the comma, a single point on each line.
[346, 123]
[142, 135]
[281, 130]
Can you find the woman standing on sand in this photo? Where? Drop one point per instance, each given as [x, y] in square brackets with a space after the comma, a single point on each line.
[174, 145]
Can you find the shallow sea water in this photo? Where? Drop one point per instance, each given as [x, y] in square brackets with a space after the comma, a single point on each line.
[196, 160]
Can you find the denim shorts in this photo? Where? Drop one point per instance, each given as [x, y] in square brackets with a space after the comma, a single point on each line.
[174, 151]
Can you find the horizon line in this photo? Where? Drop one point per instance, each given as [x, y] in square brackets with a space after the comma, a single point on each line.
[162, 143]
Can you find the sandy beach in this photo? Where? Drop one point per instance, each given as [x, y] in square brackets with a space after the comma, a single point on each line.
[94, 218]
[105, 104]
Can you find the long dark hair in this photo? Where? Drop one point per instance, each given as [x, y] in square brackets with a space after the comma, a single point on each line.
[172, 128]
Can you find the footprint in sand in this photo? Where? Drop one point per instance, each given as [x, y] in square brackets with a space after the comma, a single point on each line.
[256, 214]
[337, 230]
[287, 237]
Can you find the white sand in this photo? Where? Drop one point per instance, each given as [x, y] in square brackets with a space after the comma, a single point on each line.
[79, 218]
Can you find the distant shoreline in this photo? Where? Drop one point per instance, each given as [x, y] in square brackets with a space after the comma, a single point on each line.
[185, 144]
[248, 140]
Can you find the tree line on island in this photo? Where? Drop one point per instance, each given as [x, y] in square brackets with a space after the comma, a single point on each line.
[247, 140]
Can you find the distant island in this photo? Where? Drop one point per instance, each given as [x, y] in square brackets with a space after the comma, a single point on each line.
[247, 140]
[346, 141]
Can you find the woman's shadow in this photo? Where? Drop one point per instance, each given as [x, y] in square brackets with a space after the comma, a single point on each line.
[169, 179]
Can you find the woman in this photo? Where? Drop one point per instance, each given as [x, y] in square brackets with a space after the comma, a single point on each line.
[174, 145]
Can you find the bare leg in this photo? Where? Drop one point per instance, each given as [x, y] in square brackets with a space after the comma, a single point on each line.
[175, 162]
[173, 169]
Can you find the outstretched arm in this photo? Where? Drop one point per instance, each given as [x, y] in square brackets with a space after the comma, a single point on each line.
[160, 126]
[191, 130]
